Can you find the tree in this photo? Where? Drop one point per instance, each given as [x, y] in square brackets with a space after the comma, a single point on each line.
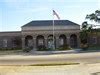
[94, 16]
[84, 34]
[87, 29]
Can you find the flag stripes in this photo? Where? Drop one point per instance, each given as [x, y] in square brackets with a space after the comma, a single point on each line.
[54, 13]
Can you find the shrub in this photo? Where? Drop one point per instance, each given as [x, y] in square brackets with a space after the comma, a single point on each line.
[84, 46]
[50, 49]
[41, 48]
[64, 47]
[27, 49]
[5, 49]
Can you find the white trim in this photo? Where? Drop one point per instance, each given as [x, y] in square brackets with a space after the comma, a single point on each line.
[50, 27]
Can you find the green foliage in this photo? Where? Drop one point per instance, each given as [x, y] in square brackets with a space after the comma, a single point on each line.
[84, 34]
[41, 48]
[27, 49]
[84, 25]
[87, 29]
[97, 11]
[7, 49]
[84, 46]
[49, 49]
[93, 16]
[55, 64]
[64, 47]
[94, 47]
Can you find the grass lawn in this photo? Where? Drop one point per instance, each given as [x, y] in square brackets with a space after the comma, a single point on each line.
[7, 52]
[94, 48]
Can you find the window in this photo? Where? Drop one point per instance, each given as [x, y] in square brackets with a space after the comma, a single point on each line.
[94, 40]
[40, 42]
[61, 41]
[30, 43]
[4, 42]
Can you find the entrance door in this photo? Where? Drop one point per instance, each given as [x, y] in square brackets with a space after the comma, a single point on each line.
[51, 42]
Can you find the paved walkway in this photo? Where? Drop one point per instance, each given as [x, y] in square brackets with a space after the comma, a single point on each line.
[32, 52]
[54, 52]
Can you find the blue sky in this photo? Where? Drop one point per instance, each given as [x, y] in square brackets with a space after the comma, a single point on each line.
[15, 13]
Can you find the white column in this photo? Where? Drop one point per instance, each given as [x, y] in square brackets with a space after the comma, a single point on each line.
[68, 40]
[57, 41]
[45, 42]
[34, 43]
[23, 42]
[78, 41]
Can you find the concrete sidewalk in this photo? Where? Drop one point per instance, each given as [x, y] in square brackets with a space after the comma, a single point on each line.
[53, 52]
[32, 52]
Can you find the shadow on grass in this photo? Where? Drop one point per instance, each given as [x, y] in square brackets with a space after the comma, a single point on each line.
[97, 73]
[54, 64]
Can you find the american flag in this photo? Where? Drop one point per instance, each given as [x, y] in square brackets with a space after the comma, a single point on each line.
[54, 13]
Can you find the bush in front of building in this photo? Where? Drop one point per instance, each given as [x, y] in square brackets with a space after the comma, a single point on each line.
[6, 49]
[94, 47]
[28, 49]
[64, 47]
[84, 46]
[41, 48]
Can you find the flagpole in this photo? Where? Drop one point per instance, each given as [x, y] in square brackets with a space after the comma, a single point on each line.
[54, 13]
[53, 34]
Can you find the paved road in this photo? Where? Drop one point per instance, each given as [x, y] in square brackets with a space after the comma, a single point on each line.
[93, 57]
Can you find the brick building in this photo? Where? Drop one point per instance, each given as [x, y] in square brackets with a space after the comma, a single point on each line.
[40, 32]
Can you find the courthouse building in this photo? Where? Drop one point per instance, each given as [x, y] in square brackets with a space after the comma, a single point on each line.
[40, 32]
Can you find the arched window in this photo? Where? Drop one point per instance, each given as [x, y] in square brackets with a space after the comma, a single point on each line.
[62, 39]
[29, 41]
[40, 40]
[73, 40]
[51, 42]
[5, 42]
